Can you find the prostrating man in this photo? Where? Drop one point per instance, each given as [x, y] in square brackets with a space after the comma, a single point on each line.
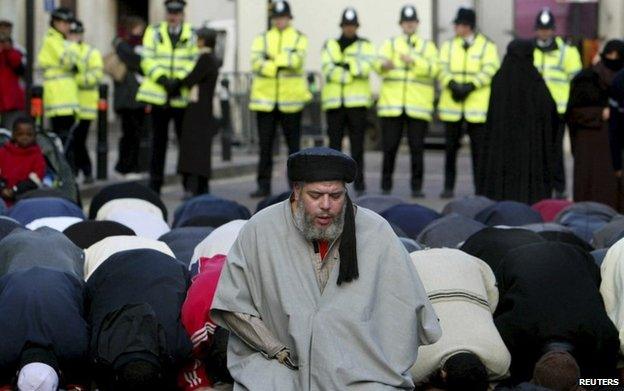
[549, 301]
[58, 58]
[408, 65]
[463, 292]
[169, 55]
[44, 335]
[279, 90]
[137, 340]
[346, 96]
[319, 295]
[467, 64]
[558, 63]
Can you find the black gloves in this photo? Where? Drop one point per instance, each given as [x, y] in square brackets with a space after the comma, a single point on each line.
[343, 65]
[172, 86]
[460, 91]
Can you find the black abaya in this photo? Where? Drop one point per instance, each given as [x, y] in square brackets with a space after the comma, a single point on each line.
[520, 131]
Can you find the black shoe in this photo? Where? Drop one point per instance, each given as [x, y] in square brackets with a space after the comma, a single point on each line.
[418, 194]
[260, 193]
[446, 194]
[386, 191]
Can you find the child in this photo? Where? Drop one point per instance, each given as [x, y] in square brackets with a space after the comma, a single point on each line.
[22, 164]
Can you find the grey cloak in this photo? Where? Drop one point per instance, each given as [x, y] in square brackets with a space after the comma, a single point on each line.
[362, 335]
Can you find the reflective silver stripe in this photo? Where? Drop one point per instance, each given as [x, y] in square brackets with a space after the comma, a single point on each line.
[407, 107]
[59, 77]
[152, 94]
[281, 103]
[59, 107]
[556, 80]
[429, 83]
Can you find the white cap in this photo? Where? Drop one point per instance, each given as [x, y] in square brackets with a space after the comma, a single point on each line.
[37, 377]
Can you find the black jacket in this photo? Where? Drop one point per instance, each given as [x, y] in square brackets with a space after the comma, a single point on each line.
[133, 296]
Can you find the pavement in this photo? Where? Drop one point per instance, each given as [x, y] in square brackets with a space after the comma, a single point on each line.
[235, 179]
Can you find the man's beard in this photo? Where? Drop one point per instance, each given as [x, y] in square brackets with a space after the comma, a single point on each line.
[305, 223]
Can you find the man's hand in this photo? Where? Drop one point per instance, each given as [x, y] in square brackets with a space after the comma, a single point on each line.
[606, 114]
[387, 65]
[7, 193]
[407, 59]
[283, 357]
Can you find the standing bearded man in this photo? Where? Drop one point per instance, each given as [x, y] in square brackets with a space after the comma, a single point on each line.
[319, 294]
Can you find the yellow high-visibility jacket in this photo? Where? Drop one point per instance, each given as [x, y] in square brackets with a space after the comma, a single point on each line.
[88, 79]
[346, 74]
[476, 65]
[558, 67]
[408, 88]
[160, 58]
[277, 61]
[57, 58]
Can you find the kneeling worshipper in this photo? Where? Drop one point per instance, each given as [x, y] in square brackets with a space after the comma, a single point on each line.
[209, 340]
[143, 217]
[492, 244]
[549, 301]
[463, 292]
[132, 190]
[612, 285]
[45, 247]
[218, 242]
[44, 335]
[137, 340]
[105, 248]
[87, 233]
[319, 295]
[183, 240]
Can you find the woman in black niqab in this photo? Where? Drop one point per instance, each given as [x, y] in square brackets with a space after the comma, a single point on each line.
[520, 130]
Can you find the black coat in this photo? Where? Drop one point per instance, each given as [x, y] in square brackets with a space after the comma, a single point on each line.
[44, 308]
[138, 284]
[199, 124]
[126, 90]
[521, 125]
[549, 293]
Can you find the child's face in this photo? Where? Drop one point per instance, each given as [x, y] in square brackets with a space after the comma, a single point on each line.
[24, 135]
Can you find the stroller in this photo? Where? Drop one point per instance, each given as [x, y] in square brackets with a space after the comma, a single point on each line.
[58, 172]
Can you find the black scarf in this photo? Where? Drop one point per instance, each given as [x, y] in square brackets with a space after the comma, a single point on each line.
[348, 247]
[345, 42]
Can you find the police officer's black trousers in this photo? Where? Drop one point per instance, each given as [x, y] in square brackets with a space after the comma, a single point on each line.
[454, 133]
[267, 126]
[392, 132]
[354, 120]
[559, 178]
[161, 116]
[62, 125]
[77, 153]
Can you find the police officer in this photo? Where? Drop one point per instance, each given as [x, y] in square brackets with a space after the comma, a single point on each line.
[88, 79]
[169, 55]
[58, 59]
[279, 90]
[557, 62]
[467, 64]
[408, 65]
[346, 95]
